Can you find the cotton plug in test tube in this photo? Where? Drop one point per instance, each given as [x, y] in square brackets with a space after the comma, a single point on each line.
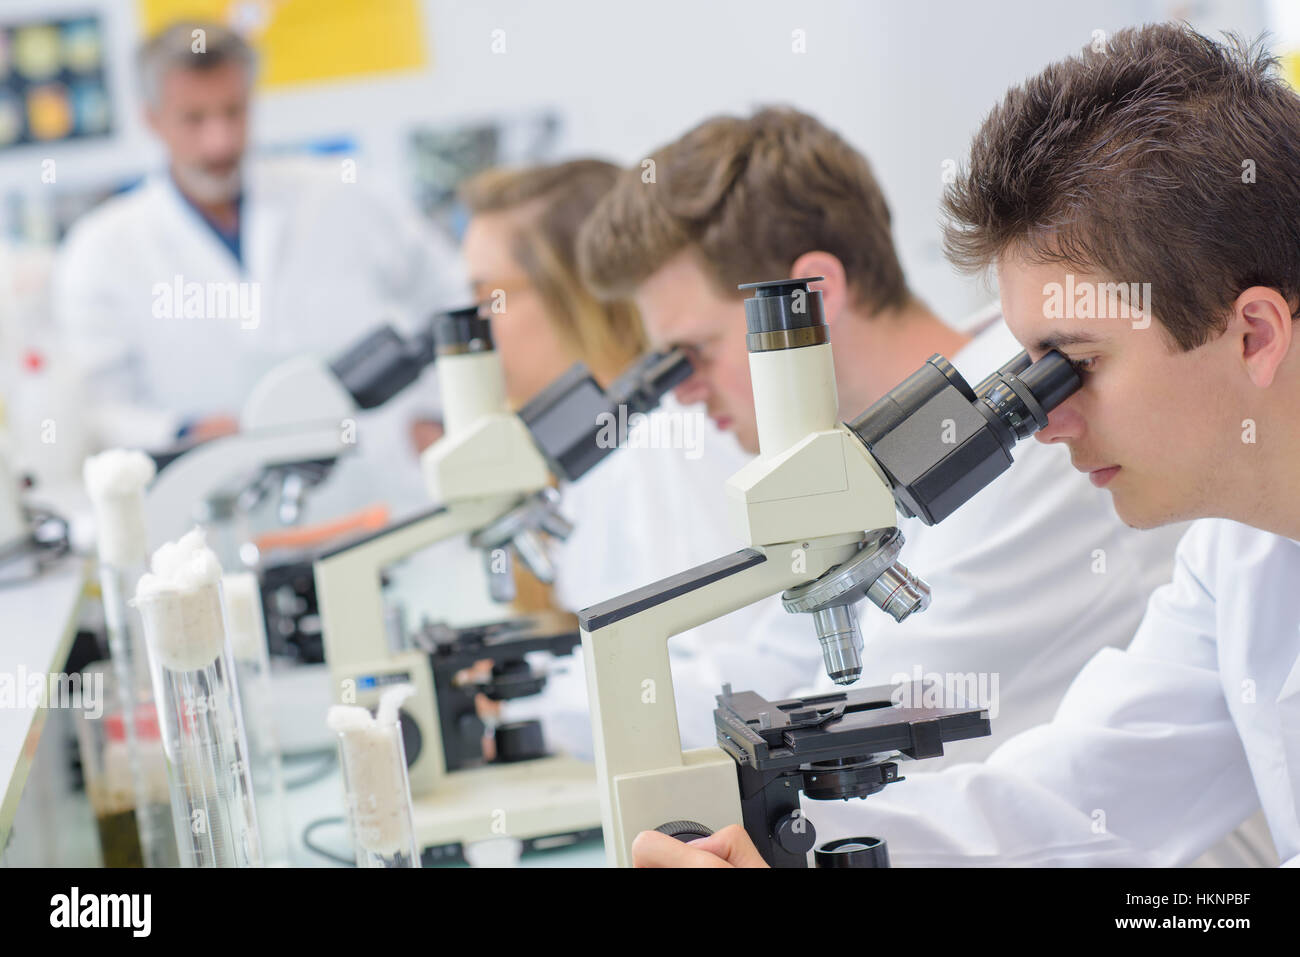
[198, 704]
[115, 481]
[376, 787]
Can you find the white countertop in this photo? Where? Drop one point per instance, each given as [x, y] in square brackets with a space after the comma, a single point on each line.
[37, 623]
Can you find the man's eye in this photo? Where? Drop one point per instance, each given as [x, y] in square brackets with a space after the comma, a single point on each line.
[694, 353]
[1085, 365]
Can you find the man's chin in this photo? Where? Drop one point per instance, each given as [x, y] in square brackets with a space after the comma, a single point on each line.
[1142, 515]
[205, 187]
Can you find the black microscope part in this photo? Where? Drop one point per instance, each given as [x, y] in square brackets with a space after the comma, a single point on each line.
[505, 643]
[572, 420]
[852, 852]
[519, 741]
[939, 442]
[461, 330]
[784, 314]
[685, 831]
[1051, 380]
[384, 362]
[832, 746]
[774, 305]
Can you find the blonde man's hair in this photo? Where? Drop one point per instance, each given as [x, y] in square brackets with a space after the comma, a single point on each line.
[747, 196]
[553, 201]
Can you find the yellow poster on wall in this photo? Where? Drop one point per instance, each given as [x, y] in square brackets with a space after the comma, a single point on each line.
[310, 41]
[1291, 68]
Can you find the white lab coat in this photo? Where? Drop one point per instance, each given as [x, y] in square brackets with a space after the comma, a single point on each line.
[1156, 752]
[1015, 593]
[328, 259]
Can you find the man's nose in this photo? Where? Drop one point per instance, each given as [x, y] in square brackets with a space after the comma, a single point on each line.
[1063, 423]
[220, 137]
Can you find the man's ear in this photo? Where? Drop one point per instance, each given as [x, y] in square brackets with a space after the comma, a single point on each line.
[1261, 324]
[834, 285]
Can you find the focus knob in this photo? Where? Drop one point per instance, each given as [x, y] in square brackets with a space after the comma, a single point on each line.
[795, 833]
[684, 831]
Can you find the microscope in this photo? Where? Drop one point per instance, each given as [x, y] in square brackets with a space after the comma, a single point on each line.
[295, 424]
[13, 526]
[491, 474]
[31, 537]
[817, 510]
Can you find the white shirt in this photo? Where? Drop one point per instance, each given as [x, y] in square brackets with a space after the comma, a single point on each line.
[1156, 751]
[1015, 594]
[324, 261]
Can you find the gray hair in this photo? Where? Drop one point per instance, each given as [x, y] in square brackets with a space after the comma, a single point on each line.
[190, 45]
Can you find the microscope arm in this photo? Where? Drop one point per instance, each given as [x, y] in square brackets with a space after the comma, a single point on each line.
[349, 595]
[643, 777]
[349, 587]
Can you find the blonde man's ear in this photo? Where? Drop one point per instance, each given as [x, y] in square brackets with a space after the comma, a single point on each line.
[834, 284]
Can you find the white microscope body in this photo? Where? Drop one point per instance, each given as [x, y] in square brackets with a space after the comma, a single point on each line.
[801, 507]
[485, 466]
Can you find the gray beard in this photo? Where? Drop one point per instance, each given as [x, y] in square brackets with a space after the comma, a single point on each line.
[203, 187]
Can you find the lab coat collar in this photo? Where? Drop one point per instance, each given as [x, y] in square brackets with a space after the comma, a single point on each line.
[262, 226]
[185, 223]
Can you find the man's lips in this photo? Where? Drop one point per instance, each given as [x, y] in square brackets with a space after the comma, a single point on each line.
[1101, 477]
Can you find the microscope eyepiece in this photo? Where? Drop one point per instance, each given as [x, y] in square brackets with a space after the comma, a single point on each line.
[385, 362]
[939, 442]
[644, 385]
[1023, 399]
[1052, 380]
[462, 330]
[784, 314]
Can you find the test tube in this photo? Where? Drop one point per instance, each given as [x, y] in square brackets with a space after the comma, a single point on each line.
[246, 628]
[375, 785]
[115, 481]
[198, 705]
[115, 780]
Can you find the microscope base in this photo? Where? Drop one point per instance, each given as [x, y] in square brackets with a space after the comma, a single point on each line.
[704, 784]
[544, 803]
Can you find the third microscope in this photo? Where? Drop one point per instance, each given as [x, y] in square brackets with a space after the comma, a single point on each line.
[491, 475]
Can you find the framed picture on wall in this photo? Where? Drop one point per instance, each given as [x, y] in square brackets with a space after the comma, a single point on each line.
[445, 156]
[53, 84]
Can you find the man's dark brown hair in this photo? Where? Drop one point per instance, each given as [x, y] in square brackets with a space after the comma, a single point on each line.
[747, 196]
[1165, 158]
